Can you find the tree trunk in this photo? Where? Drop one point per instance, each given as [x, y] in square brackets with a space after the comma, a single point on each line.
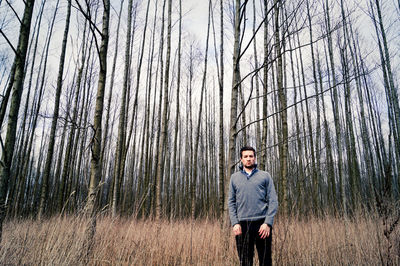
[17, 88]
[196, 144]
[314, 151]
[21, 155]
[59, 84]
[335, 107]
[234, 102]
[175, 159]
[50, 150]
[95, 166]
[263, 156]
[164, 125]
[329, 157]
[106, 143]
[257, 85]
[222, 178]
[283, 146]
[122, 124]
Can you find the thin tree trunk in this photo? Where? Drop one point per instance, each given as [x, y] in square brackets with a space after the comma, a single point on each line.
[106, 143]
[56, 184]
[86, 51]
[365, 137]
[300, 154]
[59, 84]
[234, 102]
[160, 114]
[22, 197]
[83, 122]
[314, 151]
[95, 166]
[283, 147]
[257, 83]
[122, 124]
[50, 150]
[329, 157]
[175, 159]
[222, 178]
[390, 89]
[144, 170]
[264, 139]
[17, 88]
[197, 139]
[164, 125]
[36, 188]
[22, 151]
[335, 106]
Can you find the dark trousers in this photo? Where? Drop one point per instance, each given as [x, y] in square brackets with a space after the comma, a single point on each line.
[245, 244]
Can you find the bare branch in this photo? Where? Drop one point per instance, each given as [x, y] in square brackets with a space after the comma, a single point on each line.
[92, 26]
[15, 13]
[255, 32]
[8, 41]
[302, 100]
[88, 17]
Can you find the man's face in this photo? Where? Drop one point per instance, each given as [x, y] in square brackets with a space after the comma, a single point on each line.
[248, 159]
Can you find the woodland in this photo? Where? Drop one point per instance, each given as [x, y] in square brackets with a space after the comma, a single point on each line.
[136, 110]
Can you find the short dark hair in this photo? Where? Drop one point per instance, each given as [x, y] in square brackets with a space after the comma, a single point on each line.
[247, 148]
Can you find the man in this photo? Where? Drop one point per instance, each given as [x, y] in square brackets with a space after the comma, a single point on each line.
[252, 206]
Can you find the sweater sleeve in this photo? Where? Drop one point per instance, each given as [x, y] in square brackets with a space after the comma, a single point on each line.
[232, 204]
[272, 200]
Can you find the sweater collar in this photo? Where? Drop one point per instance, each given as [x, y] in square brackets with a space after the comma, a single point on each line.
[255, 170]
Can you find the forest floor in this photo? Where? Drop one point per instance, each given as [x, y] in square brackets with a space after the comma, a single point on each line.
[313, 241]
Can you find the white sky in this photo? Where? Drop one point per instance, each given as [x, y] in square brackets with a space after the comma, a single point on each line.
[194, 27]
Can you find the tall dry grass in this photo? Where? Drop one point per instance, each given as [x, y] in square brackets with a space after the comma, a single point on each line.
[323, 241]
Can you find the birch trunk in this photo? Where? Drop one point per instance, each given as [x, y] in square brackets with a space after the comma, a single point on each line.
[164, 125]
[95, 166]
[17, 88]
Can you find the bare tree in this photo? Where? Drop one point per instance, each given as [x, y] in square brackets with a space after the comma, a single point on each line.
[95, 166]
[17, 87]
[164, 121]
[50, 151]
[122, 116]
[234, 99]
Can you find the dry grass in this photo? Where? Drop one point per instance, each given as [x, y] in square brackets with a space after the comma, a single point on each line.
[59, 241]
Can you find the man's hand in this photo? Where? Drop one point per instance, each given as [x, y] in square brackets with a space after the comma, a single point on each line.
[264, 231]
[237, 229]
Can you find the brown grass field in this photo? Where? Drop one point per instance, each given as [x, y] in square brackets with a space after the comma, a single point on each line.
[316, 241]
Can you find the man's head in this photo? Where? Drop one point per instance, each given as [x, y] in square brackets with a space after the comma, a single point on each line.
[248, 157]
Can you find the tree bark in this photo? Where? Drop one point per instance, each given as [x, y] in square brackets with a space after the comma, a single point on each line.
[234, 102]
[197, 139]
[335, 107]
[175, 158]
[283, 146]
[50, 149]
[95, 166]
[164, 125]
[59, 85]
[263, 156]
[17, 88]
[222, 178]
[122, 124]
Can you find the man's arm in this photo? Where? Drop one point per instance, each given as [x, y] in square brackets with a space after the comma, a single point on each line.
[232, 204]
[272, 200]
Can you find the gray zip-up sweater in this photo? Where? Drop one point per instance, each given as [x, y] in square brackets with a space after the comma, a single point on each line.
[252, 197]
